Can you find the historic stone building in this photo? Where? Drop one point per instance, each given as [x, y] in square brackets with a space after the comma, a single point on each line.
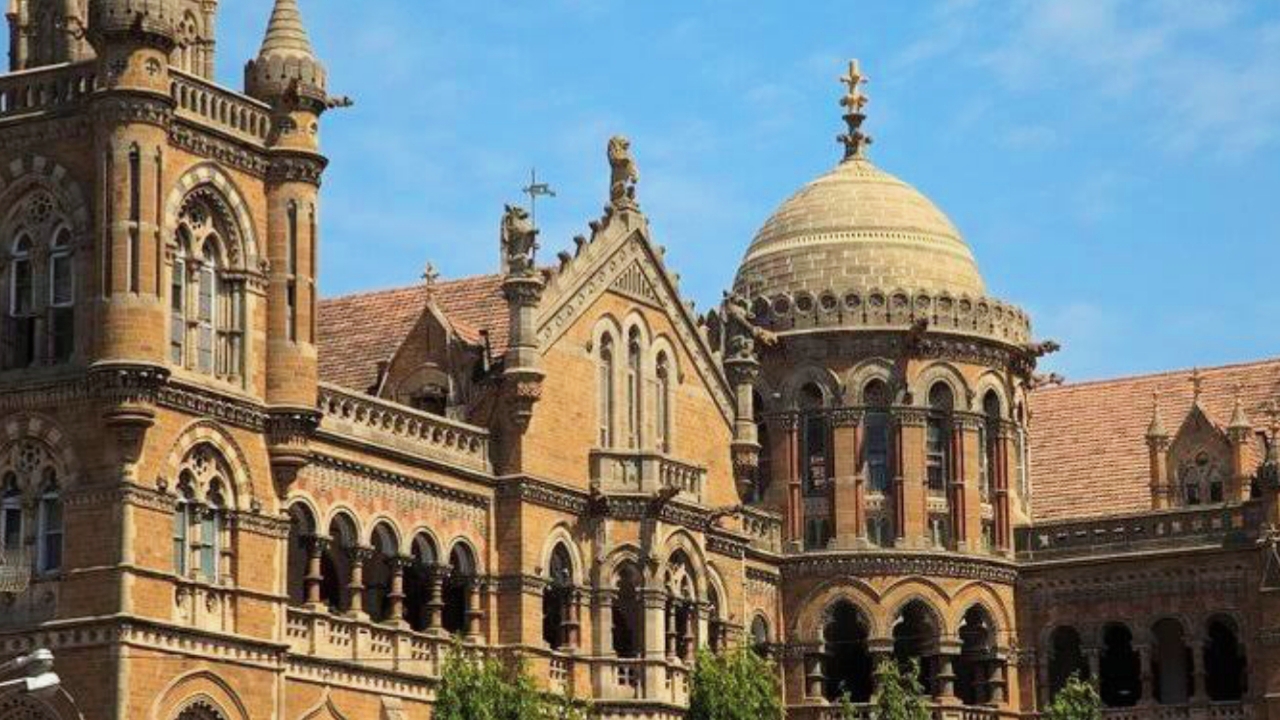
[223, 498]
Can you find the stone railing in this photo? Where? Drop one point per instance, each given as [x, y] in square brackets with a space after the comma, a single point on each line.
[210, 105]
[626, 471]
[318, 634]
[875, 309]
[1213, 525]
[1204, 711]
[864, 711]
[390, 425]
[627, 679]
[47, 89]
[763, 528]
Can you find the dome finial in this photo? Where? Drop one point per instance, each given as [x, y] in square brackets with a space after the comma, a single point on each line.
[855, 141]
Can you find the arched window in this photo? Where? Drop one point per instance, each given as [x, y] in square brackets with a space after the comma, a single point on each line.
[49, 524]
[302, 530]
[977, 653]
[1066, 658]
[378, 571]
[988, 441]
[635, 391]
[681, 587]
[1171, 663]
[628, 613]
[556, 598]
[21, 320]
[1201, 479]
[816, 445]
[10, 514]
[760, 636]
[848, 668]
[1120, 668]
[335, 565]
[207, 314]
[61, 298]
[605, 391]
[763, 468]
[875, 399]
[424, 560]
[462, 578]
[1226, 671]
[662, 402]
[200, 515]
[915, 638]
[938, 437]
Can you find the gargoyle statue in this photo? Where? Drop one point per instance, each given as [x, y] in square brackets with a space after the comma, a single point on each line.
[1040, 349]
[519, 241]
[741, 332]
[623, 176]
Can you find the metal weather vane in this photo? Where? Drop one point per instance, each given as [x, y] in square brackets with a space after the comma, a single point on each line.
[535, 190]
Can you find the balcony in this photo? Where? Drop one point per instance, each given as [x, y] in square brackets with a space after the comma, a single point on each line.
[347, 414]
[324, 636]
[1207, 711]
[1214, 526]
[764, 529]
[865, 711]
[621, 471]
[206, 104]
[47, 89]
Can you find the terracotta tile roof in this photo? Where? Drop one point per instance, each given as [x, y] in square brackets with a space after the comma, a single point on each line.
[358, 331]
[1088, 440]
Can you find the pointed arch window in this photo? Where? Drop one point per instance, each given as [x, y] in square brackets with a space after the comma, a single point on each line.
[557, 598]
[200, 517]
[815, 438]
[207, 298]
[635, 392]
[662, 406]
[988, 441]
[938, 437]
[183, 515]
[875, 398]
[61, 298]
[605, 391]
[49, 524]
[22, 322]
[10, 513]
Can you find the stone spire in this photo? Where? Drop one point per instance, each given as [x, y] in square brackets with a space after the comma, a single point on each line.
[855, 141]
[286, 64]
[1239, 421]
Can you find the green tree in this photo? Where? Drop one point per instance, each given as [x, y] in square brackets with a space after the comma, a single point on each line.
[734, 685]
[1077, 700]
[481, 688]
[899, 695]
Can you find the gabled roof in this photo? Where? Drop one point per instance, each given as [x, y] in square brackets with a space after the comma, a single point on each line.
[358, 331]
[1089, 453]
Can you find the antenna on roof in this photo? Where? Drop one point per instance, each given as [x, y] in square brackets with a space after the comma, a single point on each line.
[534, 190]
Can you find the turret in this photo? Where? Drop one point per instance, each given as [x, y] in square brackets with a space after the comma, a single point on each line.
[1239, 433]
[1158, 449]
[287, 76]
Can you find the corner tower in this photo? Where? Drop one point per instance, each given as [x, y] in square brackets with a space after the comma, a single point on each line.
[890, 414]
[287, 76]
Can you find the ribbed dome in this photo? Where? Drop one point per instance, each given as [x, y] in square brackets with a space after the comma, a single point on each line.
[286, 61]
[858, 228]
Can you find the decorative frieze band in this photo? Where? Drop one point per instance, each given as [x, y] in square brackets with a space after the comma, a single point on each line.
[893, 563]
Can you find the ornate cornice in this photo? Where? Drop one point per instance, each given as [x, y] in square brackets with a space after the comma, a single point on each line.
[895, 563]
[122, 108]
[286, 167]
[18, 136]
[238, 412]
[764, 576]
[475, 500]
[726, 547]
[539, 492]
[198, 141]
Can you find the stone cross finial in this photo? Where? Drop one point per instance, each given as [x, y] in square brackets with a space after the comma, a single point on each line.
[1197, 385]
[855, 140]
[430, 274]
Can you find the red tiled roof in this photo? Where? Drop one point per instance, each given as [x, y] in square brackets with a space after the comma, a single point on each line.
[358, 331]
[1088, 440]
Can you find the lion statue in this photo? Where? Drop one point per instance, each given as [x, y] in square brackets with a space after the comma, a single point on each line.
[519, 240]
[624, 176]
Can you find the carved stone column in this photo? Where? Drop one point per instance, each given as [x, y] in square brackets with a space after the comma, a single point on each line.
[957, 502]
[1094, 656]
[571, 627]
[669, 619]
[909, 476]
[435, 598]
[945, 685]
[1000, 484]
[355, 588]
[814, 675]
[396, 595]
[316, 547]
[1199, 690]
[997, 680]
[604, 600]
[785, 461]
[1146, 689]
[475, 609]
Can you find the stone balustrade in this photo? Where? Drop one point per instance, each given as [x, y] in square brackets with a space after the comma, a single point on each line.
[865, 711]
[47, 89]
[383, 423]
[1203, 711]
[624, 471]
[763, 528]
[321, 635]
[1205, 525]
[204, 103]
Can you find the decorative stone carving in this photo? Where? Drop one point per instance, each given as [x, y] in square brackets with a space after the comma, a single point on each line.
[623, 174]
[519, 241]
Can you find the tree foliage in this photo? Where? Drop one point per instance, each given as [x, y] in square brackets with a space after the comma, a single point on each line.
[482, 688]
[734, 685]
[1077, 700]
[899, 694]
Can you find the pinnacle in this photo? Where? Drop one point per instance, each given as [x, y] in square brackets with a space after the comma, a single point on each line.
[286, 33]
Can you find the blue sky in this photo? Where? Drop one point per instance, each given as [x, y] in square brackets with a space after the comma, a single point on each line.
[1114, 164]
